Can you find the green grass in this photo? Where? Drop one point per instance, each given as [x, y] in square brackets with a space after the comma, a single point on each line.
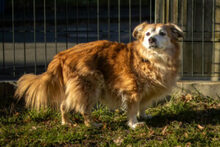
[181, 121]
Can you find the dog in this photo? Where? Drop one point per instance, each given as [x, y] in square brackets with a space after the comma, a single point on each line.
[115, 74]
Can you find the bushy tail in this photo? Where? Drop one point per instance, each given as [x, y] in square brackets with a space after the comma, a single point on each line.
[40, 91]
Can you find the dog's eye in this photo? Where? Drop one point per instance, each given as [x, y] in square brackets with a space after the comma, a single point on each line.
[148, 34]
[162, 33]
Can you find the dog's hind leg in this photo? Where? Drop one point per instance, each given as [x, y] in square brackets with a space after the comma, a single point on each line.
[91, 99]
[81, 95]
[64, 119]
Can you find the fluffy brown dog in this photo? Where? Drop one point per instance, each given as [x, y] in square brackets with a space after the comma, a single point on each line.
[116, 74]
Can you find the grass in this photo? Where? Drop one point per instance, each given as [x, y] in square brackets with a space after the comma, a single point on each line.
[182, 121]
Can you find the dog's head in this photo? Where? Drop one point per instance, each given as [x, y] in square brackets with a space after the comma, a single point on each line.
[157, 36]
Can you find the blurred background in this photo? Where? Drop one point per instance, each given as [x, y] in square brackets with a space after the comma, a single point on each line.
[33, 31]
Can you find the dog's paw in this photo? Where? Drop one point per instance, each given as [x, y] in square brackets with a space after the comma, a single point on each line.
[136, 125]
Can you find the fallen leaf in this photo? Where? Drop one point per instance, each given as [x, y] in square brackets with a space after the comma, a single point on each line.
[164, 130]
[200, 127]
[17, 113]
[118, 141]
[151, 133]
[33, 128]
[104, 126]
[117, 111]
[186, 135]
[188, 97]
[75, 125]
[142, 134]
[188, 144]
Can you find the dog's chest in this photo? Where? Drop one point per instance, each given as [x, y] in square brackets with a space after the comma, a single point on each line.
[156, 77]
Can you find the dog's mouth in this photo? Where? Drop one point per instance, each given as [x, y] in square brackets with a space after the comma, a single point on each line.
[153, 46]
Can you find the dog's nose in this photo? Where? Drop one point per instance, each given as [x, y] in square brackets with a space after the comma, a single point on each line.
[152, 40]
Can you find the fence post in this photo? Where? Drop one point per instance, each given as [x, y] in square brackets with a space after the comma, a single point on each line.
[157, 14]
[216, 43]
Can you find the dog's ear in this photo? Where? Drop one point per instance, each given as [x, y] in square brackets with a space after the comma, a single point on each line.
[138, 29]
[176, 31]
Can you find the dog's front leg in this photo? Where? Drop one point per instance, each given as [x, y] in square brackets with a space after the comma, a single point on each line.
[133, 108]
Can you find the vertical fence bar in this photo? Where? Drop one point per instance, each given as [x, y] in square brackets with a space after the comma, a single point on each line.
[140, 10]
[88, 16]
[213, 74]
[182, 24]
[97, 3]
[13, 36]
[192, 37]
[24, 38]
[129, 20]
[156, 12]
[45, 36]
[35, 45]
[163, 11]
[66, 17]
[55, 24]
[109, 20]
[3, 39]
[119, 22]
[203, 34]
[151, 11]
[77, 21]
[167, 10]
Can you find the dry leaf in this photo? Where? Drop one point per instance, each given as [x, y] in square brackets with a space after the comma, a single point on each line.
[142, 134]
[200, 127]
[164, 130]
[75, 125]
[151, 133]
[186, 135]
[17, 113]
[33, 128]
[117, 111]
[104, 126]
[188, 144]
[188, 97]
[118, 141]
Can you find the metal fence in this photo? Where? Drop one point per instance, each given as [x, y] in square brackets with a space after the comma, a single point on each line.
[33, 31]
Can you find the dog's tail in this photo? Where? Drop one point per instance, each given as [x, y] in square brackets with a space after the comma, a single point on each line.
[41, 91]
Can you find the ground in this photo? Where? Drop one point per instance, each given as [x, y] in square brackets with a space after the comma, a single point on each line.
[184, 120]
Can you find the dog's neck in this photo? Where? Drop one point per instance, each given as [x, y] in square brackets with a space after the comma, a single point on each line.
[155, 64]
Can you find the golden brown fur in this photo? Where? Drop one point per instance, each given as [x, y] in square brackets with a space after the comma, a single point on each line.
[113, 73]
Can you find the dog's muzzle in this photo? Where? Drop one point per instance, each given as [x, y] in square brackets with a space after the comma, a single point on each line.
[153, 43]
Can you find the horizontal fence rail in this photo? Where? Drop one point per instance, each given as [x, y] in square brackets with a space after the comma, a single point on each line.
[32, 32]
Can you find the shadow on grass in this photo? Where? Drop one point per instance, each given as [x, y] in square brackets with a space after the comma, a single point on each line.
[203, 117]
